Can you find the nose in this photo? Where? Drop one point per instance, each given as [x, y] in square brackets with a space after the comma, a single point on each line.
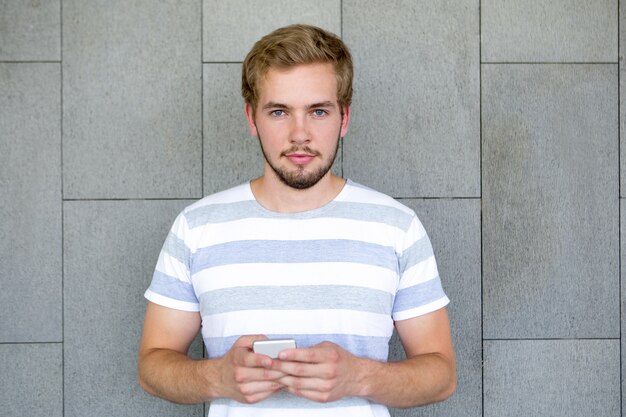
[299, 130]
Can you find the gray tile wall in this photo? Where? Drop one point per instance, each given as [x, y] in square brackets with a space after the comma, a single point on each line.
[115, 115]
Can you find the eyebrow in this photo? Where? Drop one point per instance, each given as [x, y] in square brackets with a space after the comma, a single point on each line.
[322, 104]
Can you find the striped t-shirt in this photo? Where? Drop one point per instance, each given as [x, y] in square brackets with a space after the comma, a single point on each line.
[343, 273]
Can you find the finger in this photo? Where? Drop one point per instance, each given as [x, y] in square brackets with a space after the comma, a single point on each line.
[313, 395]
[325, 370]
[316, 354]
[261, 374]
[247, 340]
[258, 391]
[306, 384]
[243, 357]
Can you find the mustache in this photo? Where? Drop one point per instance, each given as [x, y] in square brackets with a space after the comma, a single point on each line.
[300, 149]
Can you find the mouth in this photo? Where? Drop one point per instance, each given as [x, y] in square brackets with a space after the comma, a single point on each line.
[300, 158]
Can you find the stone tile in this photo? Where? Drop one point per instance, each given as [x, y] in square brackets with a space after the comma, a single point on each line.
[231, 155]
[623, 296]
[132, 98]
[30, 30]
[552, 377]
[454, 229]
[549, 31]
[32, 379]
[550, 207]
[111, 248]
[415, 127]
[622, 90]
[232, 27]
[30, 206]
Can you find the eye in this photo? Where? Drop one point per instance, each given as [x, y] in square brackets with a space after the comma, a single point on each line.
[319, 113]
[277, 113]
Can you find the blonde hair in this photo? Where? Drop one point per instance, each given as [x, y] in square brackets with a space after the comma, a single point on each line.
[296, 45]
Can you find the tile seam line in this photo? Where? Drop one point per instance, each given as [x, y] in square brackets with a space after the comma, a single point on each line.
[61, 41]
[549, 339]
[619, 212]
[480, 173]
[132, 199]
[30, 62]
[548, 63]
[201, 97]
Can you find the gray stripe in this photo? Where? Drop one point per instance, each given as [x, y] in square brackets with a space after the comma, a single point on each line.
[419, 295]
[220, 213]
[176, 248]
[416, 253]
[172, 287]
[294, 251]
[304, 297]
[284, 399]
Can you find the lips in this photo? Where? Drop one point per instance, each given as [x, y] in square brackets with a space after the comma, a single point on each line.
[300, 158]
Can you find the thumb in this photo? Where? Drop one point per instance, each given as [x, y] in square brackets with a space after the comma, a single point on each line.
[246, 341]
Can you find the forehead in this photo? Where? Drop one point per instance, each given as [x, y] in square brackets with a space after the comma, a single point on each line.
[309, 82]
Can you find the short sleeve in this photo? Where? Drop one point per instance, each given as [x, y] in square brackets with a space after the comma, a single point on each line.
[420, 290]
[171, 284]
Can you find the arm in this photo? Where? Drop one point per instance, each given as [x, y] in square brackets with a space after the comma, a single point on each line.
[165, 370]
[327, 372]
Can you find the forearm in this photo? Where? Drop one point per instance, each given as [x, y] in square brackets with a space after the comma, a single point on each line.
[176, 377]
[420, 380]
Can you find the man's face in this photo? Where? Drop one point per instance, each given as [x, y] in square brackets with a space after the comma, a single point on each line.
[299, 123]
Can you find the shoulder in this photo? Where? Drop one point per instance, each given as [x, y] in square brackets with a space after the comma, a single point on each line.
[366, 201]
[218, 206]
[359, 193]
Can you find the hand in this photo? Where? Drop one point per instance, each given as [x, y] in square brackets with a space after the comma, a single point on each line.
[323, 373]
[246, 376]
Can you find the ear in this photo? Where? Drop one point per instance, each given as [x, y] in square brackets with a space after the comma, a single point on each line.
[345, 122]
[250, 118]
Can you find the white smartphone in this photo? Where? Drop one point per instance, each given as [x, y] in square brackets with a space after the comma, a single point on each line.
[271, 348]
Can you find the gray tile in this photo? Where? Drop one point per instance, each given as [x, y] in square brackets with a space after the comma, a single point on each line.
[623, 296]
[232, 27]
[552, 378]
[30, 30]
[454, 229]
[231, 155]
[549, 31]
[415, 127]
[30, 202]
[622, 92]
[550, 207]
[32, 379]
[132, 98]
[111, 248]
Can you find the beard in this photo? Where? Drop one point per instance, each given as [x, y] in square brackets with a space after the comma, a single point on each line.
[299, 178]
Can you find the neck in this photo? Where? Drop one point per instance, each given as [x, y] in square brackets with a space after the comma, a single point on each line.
[276, 196]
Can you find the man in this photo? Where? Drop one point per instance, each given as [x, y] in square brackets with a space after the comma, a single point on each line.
[297, 253]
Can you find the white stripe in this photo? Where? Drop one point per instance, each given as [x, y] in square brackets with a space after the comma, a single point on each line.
[170, 302]
[232, 195]
[360, 194]
[297, 322]
[420, 311]
[223, 410]
[295, 229]
[419, 273]
[172, 267]
[316, 273]
[416, 232]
